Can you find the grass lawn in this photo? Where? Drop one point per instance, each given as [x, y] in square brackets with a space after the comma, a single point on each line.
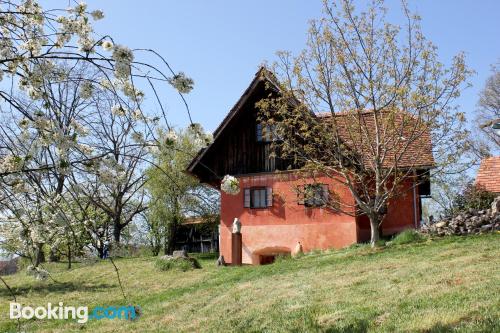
[439, 285]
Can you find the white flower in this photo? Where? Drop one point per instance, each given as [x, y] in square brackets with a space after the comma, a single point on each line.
[33, 45]
[123, 54]
[106, 176]
[86, 90]
[86, 149]
[182, 83]
[209, 138]
[122, 70]
[107, 45]
[171, 138]
[138, 137]
[34, 94]
[80, 8]
[129, 90]
[10, 163]
[37, 233]
[153, 149]
[97, 14]
[230, 185]
[118, 110]
[19, 187]
[24, 123]
[137, 115]
[106, 84]
[79, 129]
[123, 57]
[86, 44]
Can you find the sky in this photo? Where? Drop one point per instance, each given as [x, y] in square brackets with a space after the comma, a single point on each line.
[220, 44]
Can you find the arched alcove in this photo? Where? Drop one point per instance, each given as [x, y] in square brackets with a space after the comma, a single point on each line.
[267, 255]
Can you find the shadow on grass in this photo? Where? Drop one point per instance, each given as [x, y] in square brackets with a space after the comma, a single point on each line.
[58, 288]
[205, 256]
[358, 326]
[489, 324]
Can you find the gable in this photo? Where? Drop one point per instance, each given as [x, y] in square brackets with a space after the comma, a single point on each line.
[236, 149]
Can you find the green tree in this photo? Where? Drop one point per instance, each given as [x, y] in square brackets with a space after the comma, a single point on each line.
[175, 195]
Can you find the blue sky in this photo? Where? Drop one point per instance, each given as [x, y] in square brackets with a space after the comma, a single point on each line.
[221, 44]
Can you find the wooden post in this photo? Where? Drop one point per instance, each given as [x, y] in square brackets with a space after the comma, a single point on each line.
[236, 252]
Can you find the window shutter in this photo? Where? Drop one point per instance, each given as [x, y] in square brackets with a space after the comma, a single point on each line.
[269, 201]
[300, 195]
[326, 194]
[258, 130]
[246, 200]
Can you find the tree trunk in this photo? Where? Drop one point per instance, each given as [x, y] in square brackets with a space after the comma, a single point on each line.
[374, 227]
[155, 247]
[170, 243]
[39, 256]
[117, 230]
[69, 257]
[100, 250]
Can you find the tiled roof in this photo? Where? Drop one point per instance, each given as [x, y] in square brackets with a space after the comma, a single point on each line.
[408, 144]
[417, 155]
[489, 174]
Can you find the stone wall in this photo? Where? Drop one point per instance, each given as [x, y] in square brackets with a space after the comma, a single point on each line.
[469, 222]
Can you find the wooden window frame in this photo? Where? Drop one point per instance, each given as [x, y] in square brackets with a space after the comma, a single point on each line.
[265, 133]
[249, 202]
[325, 194]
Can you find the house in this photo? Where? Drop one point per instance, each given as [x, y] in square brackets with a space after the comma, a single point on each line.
[273, 218]
[8, 265]
[197, 235]
[489, 174]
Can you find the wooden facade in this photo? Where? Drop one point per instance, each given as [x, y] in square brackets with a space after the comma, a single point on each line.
[197, 236]
[238, 149]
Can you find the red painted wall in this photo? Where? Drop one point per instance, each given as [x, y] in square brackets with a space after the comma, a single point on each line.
[400, 213]
[278, 228]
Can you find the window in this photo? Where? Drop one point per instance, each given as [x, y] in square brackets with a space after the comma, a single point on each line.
[258, 197]
[265, 133]
[313, 195]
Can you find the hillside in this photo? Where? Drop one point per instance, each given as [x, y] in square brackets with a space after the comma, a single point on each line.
[438, 285]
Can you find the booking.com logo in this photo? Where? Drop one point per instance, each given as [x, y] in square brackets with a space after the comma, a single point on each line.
[81, 313]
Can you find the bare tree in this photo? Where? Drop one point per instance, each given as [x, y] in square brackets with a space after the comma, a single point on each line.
[115, 183]
[367, 104]
[488, 113]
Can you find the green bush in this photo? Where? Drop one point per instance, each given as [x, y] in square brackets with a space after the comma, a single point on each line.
[473, 197]
[182, 264]
[407, 236]
[128, 251]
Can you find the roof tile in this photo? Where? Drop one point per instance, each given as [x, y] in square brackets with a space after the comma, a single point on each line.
[489, 174]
